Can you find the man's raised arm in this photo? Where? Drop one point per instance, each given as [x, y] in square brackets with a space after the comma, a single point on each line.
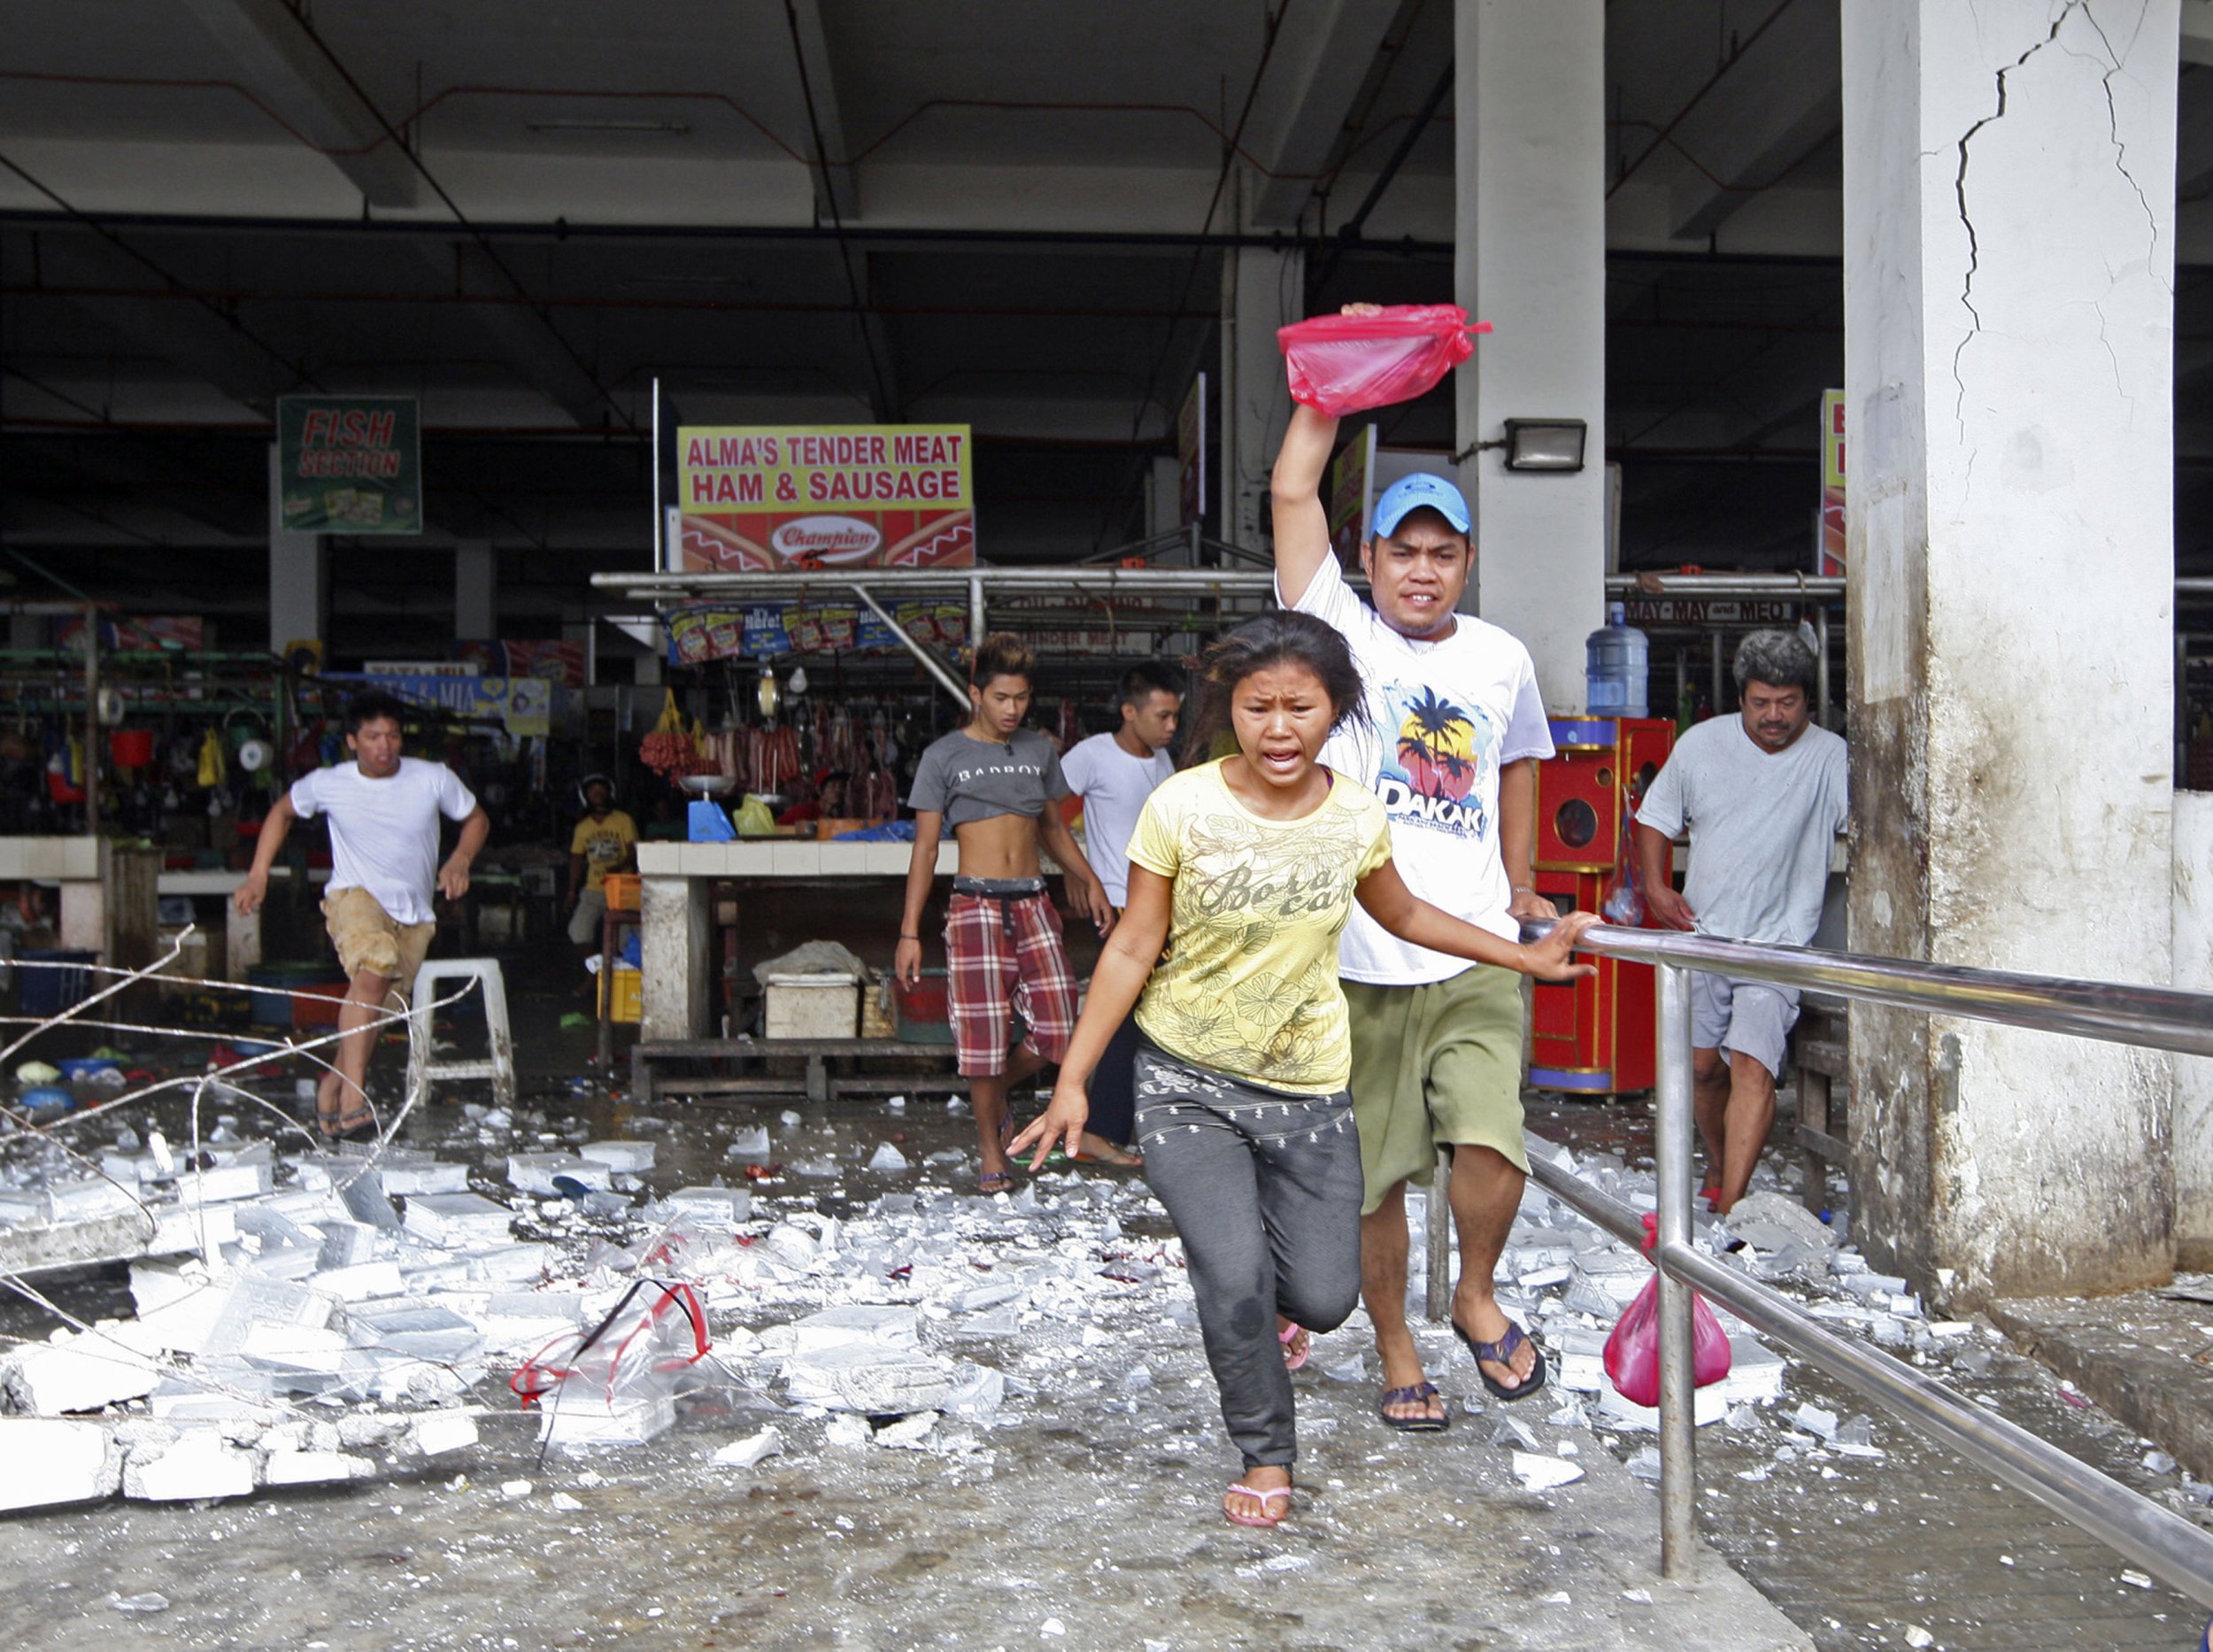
[1302, 523]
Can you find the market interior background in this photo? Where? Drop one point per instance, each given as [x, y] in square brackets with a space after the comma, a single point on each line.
[560, 225]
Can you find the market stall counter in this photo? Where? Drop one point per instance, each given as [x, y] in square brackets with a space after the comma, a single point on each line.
[676, 882]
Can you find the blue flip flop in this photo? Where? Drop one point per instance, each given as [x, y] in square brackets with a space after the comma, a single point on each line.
[1408, 1395]
[1502, 1352]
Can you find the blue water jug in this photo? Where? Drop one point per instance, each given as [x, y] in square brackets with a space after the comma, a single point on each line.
[1615, 666]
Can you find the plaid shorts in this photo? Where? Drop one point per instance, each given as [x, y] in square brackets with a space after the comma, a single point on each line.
[1002, 948]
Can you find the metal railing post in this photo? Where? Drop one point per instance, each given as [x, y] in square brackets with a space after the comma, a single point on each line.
[1671, 1131]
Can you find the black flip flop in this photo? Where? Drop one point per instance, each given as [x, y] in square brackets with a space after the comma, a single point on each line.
[1502, 1352]
[1412, 1424]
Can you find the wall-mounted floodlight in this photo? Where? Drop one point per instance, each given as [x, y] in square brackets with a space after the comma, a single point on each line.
[1545, 444]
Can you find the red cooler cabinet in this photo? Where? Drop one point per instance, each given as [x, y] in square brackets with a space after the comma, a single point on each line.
[1593, 1036]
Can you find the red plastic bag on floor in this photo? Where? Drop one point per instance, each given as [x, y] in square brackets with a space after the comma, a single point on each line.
[1345, 364]
[1632, 1352]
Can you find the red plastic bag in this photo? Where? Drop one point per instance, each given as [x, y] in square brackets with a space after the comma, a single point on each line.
[1632, 1352]
[1345, 364]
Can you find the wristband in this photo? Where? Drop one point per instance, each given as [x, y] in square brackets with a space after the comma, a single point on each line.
[905, 937]
[1525, 889]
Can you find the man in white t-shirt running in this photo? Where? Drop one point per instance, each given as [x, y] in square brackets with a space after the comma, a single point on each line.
[384, 811]
[1114, 774]
[1456, 726]
[1763, 796]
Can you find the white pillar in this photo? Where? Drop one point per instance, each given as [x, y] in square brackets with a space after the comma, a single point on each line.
[475, 591]
[2008, 217]
[1262, 289]
[1529, 224]
[299, 574]
[2193, 1074]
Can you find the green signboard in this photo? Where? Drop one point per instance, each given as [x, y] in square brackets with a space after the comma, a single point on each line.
[349, 464]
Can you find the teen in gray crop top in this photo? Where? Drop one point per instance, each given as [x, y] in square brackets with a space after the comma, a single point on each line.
[967, 779]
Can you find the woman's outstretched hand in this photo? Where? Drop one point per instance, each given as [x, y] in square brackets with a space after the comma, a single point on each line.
[1549, 958]
[1060, 1124]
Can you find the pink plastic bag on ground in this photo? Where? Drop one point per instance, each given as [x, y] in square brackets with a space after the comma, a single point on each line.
[1632, 1352]
[1345, 364]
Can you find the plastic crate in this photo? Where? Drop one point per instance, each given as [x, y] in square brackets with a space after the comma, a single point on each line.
[621, 891]
[49, 991]
[924, 1013]
[628, 1002]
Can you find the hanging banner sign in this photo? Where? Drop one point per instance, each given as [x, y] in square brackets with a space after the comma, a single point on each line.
[523, 705]
[148, 634]
[349, 464]
[781, 499]
[557, 661]
[1190, 453]
[1351, 492]
[767, 630]
[1829, 553]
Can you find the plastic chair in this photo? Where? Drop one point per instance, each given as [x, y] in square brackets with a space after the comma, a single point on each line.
[498, 1066]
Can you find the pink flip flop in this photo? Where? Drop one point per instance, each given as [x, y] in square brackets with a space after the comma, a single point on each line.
[1283, 1491]
[1295, 1358]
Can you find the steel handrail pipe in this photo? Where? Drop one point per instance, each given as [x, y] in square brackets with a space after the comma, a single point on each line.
[2158, 1017]
[2173, 1549]
[903, 582]
[1724, 586]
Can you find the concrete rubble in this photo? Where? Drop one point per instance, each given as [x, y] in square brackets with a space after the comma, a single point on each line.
[318, 1318]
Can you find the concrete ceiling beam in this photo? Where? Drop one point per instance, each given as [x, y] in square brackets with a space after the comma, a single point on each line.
[1307, 97]
[837, 185]
[285, 69]
[1778, 100]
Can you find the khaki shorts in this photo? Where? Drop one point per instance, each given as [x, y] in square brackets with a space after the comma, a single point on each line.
[1439, 1063]
[583, 923]
[368, 938]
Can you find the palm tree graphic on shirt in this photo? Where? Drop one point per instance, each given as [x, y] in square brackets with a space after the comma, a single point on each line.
[1437, 747]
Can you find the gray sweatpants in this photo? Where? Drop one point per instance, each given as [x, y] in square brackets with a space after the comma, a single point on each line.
[1264, 1186]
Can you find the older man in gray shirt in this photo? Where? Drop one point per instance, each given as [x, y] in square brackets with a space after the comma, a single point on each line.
[1763, 796]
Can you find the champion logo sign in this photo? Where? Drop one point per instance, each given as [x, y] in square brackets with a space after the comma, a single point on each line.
[826, 538]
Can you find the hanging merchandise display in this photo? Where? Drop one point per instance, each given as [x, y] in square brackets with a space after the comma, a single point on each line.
[1346, 364]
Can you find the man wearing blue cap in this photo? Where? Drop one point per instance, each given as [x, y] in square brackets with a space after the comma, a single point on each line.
[1456, 728]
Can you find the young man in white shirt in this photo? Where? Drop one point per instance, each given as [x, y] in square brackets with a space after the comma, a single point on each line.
[384, 811]
[1114, 774]
[1763, 796]
[1457, 728]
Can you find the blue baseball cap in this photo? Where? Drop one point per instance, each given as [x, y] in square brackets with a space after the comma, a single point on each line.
[1411, 493]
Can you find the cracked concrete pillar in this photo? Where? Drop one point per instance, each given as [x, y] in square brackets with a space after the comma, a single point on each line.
[1529, 137]
[2008, 208]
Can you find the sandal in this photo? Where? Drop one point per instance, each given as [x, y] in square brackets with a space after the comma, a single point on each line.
[990, 1182]
[1408, 1395]
[358, 1125]
[1503, 1353]
[1234, 1518]
[1298, 1344]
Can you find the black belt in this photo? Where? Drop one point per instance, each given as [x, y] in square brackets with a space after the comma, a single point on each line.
[1008, 891]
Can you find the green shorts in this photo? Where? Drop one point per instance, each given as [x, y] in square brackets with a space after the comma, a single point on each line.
[1439, 1063]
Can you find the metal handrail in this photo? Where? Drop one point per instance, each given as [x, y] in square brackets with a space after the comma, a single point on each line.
[2170, 1548]
[2158, 1017]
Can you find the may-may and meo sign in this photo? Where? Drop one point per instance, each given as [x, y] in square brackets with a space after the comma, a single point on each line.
[349, 464]
[781, 499]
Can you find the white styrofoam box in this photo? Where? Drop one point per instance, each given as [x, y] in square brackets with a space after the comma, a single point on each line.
[51, 1460]
[811, 1006]
[732, 1204]
[533, 1172]
[633, 1157]
[360, 1282]
[222, 1183]
[463, 1218]
[578, 1421]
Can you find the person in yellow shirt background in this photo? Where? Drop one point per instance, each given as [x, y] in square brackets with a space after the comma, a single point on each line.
[606, 840]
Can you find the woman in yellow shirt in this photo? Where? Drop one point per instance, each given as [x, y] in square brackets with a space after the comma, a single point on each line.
[1245, 870]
